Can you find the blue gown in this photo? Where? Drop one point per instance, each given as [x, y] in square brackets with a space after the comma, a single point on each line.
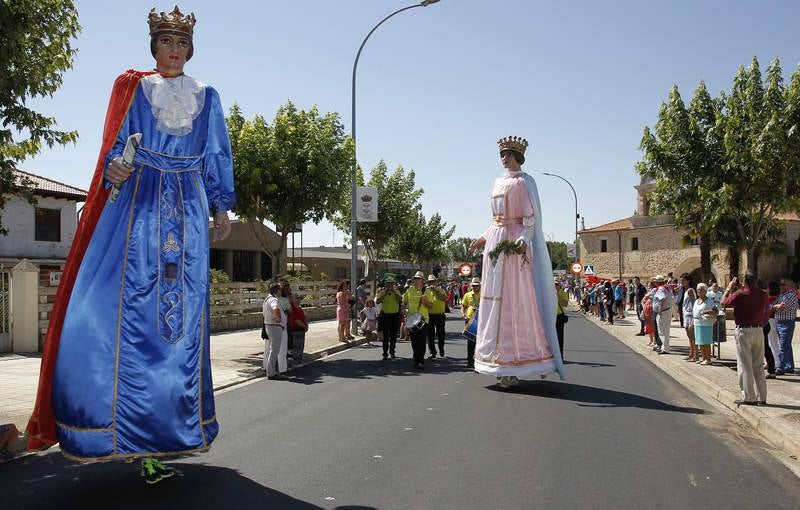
[133, 372]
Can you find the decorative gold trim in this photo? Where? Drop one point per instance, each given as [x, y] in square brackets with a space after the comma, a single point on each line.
[119, 312]
[515, 363]
[500, 312]
[492, 298]
[200, 374]
[209, 421]
[121, 456]
[164, 170]
[169, 155]
[80, 429]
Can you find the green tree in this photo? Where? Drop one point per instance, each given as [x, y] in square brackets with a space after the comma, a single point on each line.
[683, 154]
[397, 195]
[291, 172]
[35, 50]
[458, 250]
[558, 254]
[760, 176]
[422, 241]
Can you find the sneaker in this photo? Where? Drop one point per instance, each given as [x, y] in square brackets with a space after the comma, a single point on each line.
[154, 471]
[504, 382]
[432, 356]
[385, 356]
[513, 380]
[392, 356]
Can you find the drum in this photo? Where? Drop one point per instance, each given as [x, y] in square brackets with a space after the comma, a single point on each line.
[471, 329]
[414, 322]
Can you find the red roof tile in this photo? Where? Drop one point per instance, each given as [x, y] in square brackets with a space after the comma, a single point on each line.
[50, 188]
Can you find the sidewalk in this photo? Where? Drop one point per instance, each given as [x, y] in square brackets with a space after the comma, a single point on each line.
[778, 422]
[236, 357]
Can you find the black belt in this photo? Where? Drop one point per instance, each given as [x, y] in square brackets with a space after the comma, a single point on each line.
[748, 326]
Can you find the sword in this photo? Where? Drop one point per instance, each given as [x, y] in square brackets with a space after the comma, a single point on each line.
[127, 161]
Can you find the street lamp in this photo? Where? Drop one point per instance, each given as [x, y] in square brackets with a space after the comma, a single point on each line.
[577, 249]
[353, 222]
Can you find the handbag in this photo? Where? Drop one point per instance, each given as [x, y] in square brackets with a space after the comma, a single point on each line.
[264, 335]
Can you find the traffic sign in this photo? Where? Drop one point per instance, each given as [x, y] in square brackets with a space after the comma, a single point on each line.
[576, 268]
[588, 269]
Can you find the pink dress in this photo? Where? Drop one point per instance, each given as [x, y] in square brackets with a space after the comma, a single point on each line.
[342, 305]
[511, 336]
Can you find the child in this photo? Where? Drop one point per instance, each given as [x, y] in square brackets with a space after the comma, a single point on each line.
[297, 329]
[369, 316]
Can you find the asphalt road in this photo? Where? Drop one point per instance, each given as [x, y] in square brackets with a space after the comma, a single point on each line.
[354, 431]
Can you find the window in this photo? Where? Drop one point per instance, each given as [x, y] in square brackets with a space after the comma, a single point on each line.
[48, 225]
[216, 259]
[266, 267]
[603, 245]
[695, 241]
[243, 262]
[634, 243]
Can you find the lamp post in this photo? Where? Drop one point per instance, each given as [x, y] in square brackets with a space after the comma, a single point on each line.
[353, 222]
[577, 249]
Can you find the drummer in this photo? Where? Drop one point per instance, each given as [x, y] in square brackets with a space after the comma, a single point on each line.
[469, 304]
[389, 319]
[416, 306]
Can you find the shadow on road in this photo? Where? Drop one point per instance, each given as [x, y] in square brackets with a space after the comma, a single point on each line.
[589, 364]
[51, 481]
[590, 396]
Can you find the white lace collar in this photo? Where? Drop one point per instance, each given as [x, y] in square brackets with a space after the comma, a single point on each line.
[176, 102]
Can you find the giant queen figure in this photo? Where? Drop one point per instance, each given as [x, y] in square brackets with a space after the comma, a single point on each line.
[126, 369]
[516, 332]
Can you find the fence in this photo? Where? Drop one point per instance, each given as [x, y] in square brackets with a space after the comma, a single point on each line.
[237, 305]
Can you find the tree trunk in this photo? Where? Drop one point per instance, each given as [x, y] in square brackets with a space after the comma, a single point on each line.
[734, 260]
[752, 259]
[279, 256]
[705, 256]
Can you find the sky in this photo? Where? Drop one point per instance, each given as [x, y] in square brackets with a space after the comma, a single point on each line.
[437, 86]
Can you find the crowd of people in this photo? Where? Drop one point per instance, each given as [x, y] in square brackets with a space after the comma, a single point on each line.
[764, 315]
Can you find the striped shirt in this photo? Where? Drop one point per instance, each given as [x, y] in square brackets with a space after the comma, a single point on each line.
[789, 311]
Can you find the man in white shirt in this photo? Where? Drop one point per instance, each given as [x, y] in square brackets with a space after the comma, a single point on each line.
[663, 300]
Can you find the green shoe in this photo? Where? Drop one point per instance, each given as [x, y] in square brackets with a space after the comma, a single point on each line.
[154, 471]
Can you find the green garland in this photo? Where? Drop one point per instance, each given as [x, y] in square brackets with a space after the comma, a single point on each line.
[507, 248]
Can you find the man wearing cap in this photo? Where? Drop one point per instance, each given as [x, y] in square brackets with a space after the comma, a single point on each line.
[389, 320]
[663, 299]
[416, 302]
[469, 304]
[438, 298]
[561, 315]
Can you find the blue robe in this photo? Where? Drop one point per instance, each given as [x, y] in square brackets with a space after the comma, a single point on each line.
[133, 372]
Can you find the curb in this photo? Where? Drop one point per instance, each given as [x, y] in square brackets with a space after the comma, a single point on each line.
[782, 436]
[308, 358]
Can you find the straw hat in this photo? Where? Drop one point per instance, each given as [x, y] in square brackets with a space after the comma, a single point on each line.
[659, 278]
[419, 274]
[476, 281]
[432, 278]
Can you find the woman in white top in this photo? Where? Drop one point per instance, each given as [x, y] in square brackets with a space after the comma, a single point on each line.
[275, 345]
[704, 315]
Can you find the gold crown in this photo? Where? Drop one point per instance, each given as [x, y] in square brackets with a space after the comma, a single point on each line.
[175, 21]
[366, 198]
[513, 143]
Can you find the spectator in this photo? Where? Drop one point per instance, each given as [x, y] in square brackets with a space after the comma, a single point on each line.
[687, 310]
[704, 315]
[647, 315]
[343, 298]
[715, 295]
[748, 311]
[362, 293]
[608, 302]
[619, 299]
[561, 315]
[773, 344]
[369, 319]
[785, 308]
[298, 326]
[638, 293]
[663, 300]
[275, 324]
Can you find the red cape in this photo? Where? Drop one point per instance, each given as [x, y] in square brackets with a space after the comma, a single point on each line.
[42, 425]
